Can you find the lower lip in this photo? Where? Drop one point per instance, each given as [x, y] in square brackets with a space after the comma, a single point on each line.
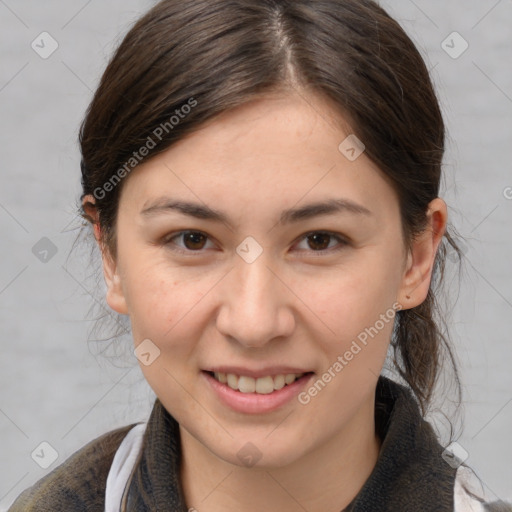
[256, 403]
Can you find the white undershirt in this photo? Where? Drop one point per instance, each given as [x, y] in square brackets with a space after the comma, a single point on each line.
[463, 501]
[122, 465]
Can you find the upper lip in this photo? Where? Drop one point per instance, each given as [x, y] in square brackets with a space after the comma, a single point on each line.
[257, 373]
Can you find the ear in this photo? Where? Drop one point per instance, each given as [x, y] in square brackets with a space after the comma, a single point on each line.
[421, 257]
[114, 296]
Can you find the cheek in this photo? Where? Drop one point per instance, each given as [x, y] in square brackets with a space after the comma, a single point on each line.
[160, 300]
[348, 299]
[355, 306]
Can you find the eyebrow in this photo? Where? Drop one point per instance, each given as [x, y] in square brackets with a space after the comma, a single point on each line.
[200, 211]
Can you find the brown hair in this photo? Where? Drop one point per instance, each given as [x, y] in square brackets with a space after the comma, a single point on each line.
[214, 55]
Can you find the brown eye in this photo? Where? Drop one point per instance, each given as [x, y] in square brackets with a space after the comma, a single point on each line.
[187, 241]
[322, 242]
[319, 241]
[194, 241]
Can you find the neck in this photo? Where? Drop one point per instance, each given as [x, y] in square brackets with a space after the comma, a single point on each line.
[327, 478]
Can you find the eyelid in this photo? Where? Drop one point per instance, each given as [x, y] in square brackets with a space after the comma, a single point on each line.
[167, 241]
[342, 241]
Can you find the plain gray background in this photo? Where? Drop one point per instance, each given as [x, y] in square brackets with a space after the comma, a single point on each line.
[54, 390]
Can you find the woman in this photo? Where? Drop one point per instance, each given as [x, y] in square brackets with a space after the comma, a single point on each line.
[263, 179]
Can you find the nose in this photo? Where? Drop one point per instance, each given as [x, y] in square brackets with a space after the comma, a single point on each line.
[256, 306]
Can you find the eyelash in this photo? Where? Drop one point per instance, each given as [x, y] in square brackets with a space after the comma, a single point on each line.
[168, 242]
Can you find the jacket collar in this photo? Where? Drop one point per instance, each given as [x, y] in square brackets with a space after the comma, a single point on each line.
[410, 473]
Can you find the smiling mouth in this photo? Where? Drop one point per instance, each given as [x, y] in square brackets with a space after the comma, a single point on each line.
[262, 385]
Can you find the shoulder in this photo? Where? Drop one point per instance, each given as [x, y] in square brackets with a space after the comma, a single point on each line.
[78, 484]
[469, 494]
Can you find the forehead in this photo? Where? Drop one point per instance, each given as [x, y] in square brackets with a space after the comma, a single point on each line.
[277, 149]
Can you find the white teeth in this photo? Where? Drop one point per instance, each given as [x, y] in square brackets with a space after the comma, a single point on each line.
[232, 381]
[279, 381]
[246, 384]
[289, 378]
[221, 377]
[262, 385]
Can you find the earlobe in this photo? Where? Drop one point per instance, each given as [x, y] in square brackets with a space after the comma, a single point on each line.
[114, 296]
[421, 257]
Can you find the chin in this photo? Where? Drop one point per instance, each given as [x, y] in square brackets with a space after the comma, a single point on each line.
[259, 453]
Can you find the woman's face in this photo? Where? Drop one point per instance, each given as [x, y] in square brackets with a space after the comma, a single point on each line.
[265, 282]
